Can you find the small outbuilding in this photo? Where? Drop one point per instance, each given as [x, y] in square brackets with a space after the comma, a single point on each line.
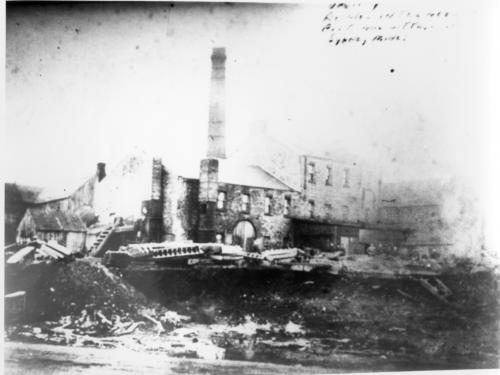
[51, 224]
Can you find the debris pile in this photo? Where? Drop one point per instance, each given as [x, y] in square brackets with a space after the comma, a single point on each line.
[83, 304]
[188, 253]
[94, 328]
[56, 289]
[37, 250]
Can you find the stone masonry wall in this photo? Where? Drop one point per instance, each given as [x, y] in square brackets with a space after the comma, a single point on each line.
[273, 227]
[180, 207]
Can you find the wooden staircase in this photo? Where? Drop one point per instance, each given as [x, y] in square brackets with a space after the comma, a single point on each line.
[97, 248]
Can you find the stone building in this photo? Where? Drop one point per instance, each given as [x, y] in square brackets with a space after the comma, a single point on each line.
[18, 198]
[337, 195]
[239, 204]
[145, 198]
[49, 224]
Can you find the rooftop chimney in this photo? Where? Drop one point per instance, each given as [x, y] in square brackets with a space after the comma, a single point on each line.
[101, 171]
[217, 120]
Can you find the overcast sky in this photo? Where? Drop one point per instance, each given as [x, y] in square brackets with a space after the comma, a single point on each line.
[89, 83]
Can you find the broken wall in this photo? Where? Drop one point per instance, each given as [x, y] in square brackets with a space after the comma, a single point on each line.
[180, 206]
[122, 191]
[272, 227]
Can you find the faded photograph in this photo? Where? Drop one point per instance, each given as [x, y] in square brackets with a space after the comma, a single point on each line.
[252, 188]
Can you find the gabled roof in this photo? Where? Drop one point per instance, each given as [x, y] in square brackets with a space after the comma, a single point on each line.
[56, 220]
[236, 173]
[231, 171]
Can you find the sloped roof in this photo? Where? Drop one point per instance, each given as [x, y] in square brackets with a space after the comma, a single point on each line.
[56, 220]
[236, 173]
[231, 171]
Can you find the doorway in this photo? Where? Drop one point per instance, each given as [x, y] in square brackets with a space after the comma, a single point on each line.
[244, 235]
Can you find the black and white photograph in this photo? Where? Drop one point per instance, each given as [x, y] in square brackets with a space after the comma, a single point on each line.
[251, 187]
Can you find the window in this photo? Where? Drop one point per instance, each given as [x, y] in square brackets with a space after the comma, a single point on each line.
[203, 208]
[267, 205]
[245, 203]
[221, 200]
[328, 209]
[311, 173]
[311, 208]
[288, 204]
[346, 178]
[328, 181]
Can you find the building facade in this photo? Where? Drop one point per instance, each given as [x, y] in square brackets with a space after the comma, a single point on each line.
[336, 196]
[242, 204]
[64, 227]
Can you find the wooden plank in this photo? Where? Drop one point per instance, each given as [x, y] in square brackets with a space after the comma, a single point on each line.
[54, 245]
[20, 255]
[48, 251]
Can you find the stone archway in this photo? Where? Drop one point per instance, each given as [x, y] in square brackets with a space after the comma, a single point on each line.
[244, 234]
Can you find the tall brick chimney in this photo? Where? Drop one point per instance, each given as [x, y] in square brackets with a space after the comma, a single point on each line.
[217, 116]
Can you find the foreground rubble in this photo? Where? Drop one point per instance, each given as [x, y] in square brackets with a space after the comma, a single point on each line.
[265, 315]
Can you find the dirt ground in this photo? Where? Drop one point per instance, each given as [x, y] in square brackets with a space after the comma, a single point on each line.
[340, 315]
[321, 320]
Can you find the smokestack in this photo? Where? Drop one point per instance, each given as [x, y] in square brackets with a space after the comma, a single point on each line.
[217, 115]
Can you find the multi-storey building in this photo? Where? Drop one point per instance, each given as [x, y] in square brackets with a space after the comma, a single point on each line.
[338, 197]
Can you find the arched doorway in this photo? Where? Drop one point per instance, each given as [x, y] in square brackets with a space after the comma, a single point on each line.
[244, 235]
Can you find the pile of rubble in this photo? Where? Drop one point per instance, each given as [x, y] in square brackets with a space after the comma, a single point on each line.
[165, 331]
[57, 289]
[94, 328]
[189, 253]
[82, 303]
[39, 251]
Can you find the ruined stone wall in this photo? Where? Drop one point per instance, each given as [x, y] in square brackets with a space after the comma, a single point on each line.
[84, 195]
[180, 207]
[81, 201]
[123, 190]
[272, 228]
